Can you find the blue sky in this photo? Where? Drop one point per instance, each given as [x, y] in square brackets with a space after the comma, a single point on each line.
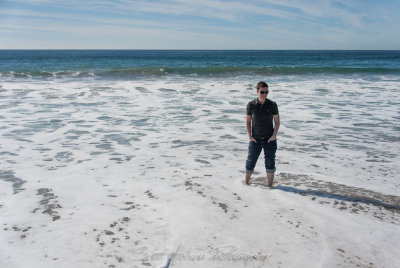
[199, 24]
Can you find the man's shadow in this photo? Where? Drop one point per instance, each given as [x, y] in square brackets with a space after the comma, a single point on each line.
[331, 190]
[338, 197]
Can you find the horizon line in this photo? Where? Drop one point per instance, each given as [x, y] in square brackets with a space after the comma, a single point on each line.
[197, 49]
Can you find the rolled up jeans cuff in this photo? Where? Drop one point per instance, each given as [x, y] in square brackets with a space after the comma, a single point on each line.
[271, 170]
[249, 171]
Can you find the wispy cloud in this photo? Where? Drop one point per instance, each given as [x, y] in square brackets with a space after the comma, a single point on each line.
[304, 23]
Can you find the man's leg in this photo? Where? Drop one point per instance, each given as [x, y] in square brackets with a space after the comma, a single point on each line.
[270, 178]
[252, 157]
[269, 155]
[247, 178]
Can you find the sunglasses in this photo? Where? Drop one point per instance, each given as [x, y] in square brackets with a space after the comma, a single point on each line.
[264, 92]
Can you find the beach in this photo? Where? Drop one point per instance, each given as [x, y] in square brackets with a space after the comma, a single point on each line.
[141, 166]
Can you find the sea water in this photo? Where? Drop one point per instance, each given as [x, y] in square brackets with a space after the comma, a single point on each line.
[339, 110]
[87, 135]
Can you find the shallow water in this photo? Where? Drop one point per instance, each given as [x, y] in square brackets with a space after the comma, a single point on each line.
[338, 128]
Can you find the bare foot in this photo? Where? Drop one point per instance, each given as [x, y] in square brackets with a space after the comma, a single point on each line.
[247, 179]
[274, 184]
[270, 178]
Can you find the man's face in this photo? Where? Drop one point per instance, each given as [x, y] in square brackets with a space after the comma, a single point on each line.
[262, 92]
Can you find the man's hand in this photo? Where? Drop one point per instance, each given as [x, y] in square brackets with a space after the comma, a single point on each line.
[273, 137]
[252, 139]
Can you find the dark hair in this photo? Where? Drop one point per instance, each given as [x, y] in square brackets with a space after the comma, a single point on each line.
[261, 84]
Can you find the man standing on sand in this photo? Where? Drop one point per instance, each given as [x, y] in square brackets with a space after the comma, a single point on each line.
[262, 124]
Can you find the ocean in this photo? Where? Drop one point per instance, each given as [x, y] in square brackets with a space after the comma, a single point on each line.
[131, 64]
[87, 135]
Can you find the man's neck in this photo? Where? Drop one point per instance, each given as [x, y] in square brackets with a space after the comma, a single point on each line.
[262, 101]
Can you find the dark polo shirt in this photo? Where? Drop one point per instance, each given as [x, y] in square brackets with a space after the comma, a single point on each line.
[262, 117]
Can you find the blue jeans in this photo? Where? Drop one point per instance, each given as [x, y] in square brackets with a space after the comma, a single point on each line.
[254, 153]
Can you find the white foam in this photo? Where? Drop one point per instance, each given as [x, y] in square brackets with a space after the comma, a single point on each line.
[156, 166]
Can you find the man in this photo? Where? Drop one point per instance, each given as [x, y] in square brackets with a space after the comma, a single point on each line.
[262, 124]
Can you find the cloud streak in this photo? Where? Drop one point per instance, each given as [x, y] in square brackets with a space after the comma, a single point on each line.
[300, 22]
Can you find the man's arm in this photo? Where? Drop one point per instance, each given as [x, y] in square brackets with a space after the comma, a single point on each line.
[248, 127]
[276, 127]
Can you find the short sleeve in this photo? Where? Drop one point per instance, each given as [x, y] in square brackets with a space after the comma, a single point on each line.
[275, 110]
[249, 110]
